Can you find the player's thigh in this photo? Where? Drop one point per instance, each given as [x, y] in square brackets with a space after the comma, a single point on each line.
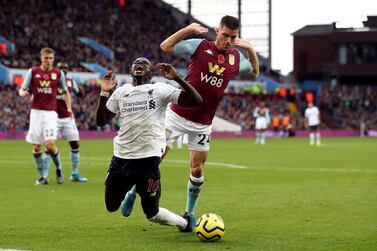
[199, 142]
[118, 181]
[50, 126]
[68, 129]
[43, 126]
[35, 132]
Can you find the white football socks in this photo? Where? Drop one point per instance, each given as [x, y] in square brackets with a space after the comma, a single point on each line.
[165, 217]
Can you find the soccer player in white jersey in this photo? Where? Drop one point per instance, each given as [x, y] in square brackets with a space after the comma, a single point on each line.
[262, 119]
[312, 120]
[141, 139]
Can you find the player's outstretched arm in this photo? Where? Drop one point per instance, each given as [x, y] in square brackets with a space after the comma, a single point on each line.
[252, 55]
[103, 115]
[187, 97]
[168, 44]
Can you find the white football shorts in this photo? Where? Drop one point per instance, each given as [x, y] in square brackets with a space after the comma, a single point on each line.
[199, 135]
[67, 129]
[43, 126]
[261, 123]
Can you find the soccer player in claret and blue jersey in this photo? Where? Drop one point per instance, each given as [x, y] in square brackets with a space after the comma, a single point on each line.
[212, 65]
[43, 83]
[68, 129]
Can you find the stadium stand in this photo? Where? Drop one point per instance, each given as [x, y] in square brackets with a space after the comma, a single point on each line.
[123, 30]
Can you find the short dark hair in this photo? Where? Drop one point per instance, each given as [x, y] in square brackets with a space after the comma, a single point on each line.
[230, 22]
[47, 50]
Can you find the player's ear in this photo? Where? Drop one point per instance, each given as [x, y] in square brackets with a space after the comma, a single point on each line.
[217, 31]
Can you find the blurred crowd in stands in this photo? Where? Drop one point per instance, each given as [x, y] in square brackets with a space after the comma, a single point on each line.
[134, 30]
[343, 107]
[29, 27]
[350, 105]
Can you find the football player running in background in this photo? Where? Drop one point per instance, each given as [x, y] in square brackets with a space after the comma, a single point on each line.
[212, 65]
[68, 129]
[141, 138]
[43, 83]
[262, 119]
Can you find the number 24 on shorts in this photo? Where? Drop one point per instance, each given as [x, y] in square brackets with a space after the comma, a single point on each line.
[204, 139]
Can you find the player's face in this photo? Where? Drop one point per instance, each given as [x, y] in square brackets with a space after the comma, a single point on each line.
[225, 38]
[47, 60]
[141, 67]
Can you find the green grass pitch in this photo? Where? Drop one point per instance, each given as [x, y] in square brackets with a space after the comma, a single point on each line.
[285, 195]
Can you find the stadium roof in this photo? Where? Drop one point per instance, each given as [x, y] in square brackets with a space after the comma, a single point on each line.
[324, 29]
[312, 30]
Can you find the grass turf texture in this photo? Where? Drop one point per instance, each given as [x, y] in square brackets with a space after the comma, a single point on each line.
[282, 196]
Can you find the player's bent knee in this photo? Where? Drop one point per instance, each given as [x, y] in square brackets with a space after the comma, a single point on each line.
[150, 207]
[74, 145]
[50, 146]
[150, 212]
[197, 172]
[36, 148]
[111, 207]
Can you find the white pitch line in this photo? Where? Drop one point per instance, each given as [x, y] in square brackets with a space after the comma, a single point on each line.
[208, 163]
[11, 249]
[215, 164]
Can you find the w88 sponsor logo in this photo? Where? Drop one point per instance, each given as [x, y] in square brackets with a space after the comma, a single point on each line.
[212, 80]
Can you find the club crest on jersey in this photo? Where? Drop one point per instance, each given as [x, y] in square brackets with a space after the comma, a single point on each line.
[150, 93]
[209, 52]
[221, 58]
[44, 83]
[231, 59]
[53, 76]
[168, 133]
[69, 83]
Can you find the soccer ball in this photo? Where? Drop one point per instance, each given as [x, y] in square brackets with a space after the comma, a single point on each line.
[210, 227]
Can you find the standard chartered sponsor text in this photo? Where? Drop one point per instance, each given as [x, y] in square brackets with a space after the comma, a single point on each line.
[134, 106]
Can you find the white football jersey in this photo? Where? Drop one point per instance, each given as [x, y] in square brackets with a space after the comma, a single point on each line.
[312, 113]
[141, 112]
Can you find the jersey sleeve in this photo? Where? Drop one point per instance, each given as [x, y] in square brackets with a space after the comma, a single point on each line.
[75, 87]
[245, 65]
[62, 83]
[268, 118]
[27, 80]
[255, 113]
[113, 102]
[188, 46]
[171, 94]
